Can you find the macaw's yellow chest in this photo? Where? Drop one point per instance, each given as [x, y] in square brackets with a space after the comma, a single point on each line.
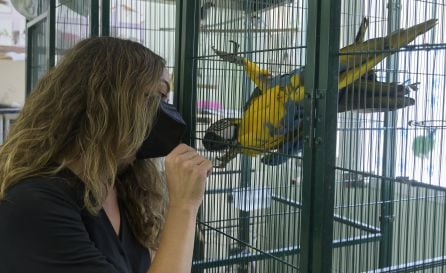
[254, 132]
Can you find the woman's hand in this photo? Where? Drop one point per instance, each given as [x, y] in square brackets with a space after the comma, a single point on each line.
[186, 173]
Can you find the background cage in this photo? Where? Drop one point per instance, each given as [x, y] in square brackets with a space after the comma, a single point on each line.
[366, 192]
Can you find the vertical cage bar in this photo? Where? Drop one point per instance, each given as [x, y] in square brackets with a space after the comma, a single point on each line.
[186, 50]
[105, 18]
[306, 241]
[185, 67]
[38, 44]
[245, 161]
[28, 73]
[94, 18]
[321, 81]
[51, 40]
[389, 160]
[185, 71]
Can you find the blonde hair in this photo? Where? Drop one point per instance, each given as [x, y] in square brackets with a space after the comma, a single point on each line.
[95, 107]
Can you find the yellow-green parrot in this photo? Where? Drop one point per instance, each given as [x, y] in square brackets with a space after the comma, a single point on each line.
[272, 116]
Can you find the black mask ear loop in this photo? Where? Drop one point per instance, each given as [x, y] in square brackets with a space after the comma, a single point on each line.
[166, 134]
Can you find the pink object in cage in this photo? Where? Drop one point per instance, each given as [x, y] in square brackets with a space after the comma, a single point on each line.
[212, 105]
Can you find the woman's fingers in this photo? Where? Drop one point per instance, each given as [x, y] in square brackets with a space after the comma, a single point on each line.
[190, 155]
[207, 165]
[186, 173]
[181, 149]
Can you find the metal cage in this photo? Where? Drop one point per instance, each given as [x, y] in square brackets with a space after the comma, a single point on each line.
[329, 143]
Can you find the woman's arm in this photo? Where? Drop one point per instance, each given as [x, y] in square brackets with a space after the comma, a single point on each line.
[186, 173]
[177, 240]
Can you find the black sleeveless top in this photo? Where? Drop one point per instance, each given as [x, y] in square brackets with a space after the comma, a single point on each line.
[44, 228]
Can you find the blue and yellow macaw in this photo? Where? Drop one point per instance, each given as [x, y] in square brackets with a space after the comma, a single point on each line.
[273, 114]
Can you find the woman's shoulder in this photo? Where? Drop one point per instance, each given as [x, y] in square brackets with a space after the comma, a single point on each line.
[42, 229]
[61, 189]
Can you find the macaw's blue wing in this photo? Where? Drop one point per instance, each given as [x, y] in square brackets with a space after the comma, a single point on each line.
[291, 147]
[291, 121]
[284, 80]
[291, 128]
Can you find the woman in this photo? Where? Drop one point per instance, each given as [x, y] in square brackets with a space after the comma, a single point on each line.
[74, 195]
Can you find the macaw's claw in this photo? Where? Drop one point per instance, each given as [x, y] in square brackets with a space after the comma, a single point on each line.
[230, 57]
[224, 159]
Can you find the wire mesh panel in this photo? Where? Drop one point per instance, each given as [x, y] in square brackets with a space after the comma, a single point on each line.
[250, 216]
[245, 108]
[37, 61]
[58, 25]
[37, 43]
[149, 22]
[72, 24]
[390, 190]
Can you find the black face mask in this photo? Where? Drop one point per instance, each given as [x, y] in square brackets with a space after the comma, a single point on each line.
[166, 133]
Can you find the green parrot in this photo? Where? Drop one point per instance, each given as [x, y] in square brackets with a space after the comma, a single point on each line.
[272, 117]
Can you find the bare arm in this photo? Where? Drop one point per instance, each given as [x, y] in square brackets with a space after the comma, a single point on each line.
[177, 241]
[186, 173]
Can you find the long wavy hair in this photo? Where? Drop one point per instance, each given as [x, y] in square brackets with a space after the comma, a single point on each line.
[95, 108]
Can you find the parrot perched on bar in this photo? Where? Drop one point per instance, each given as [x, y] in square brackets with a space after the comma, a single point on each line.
[272, 117]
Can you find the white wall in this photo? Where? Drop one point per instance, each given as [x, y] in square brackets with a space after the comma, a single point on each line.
[12, 41]
[12, 82]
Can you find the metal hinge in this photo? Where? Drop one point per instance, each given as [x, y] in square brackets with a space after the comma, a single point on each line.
[318, 95]
[394, 5]
[387, 218]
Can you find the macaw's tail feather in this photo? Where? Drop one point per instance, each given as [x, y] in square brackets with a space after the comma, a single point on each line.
[221, 134]
[360, 58]
[362, 30]
[375, 50]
